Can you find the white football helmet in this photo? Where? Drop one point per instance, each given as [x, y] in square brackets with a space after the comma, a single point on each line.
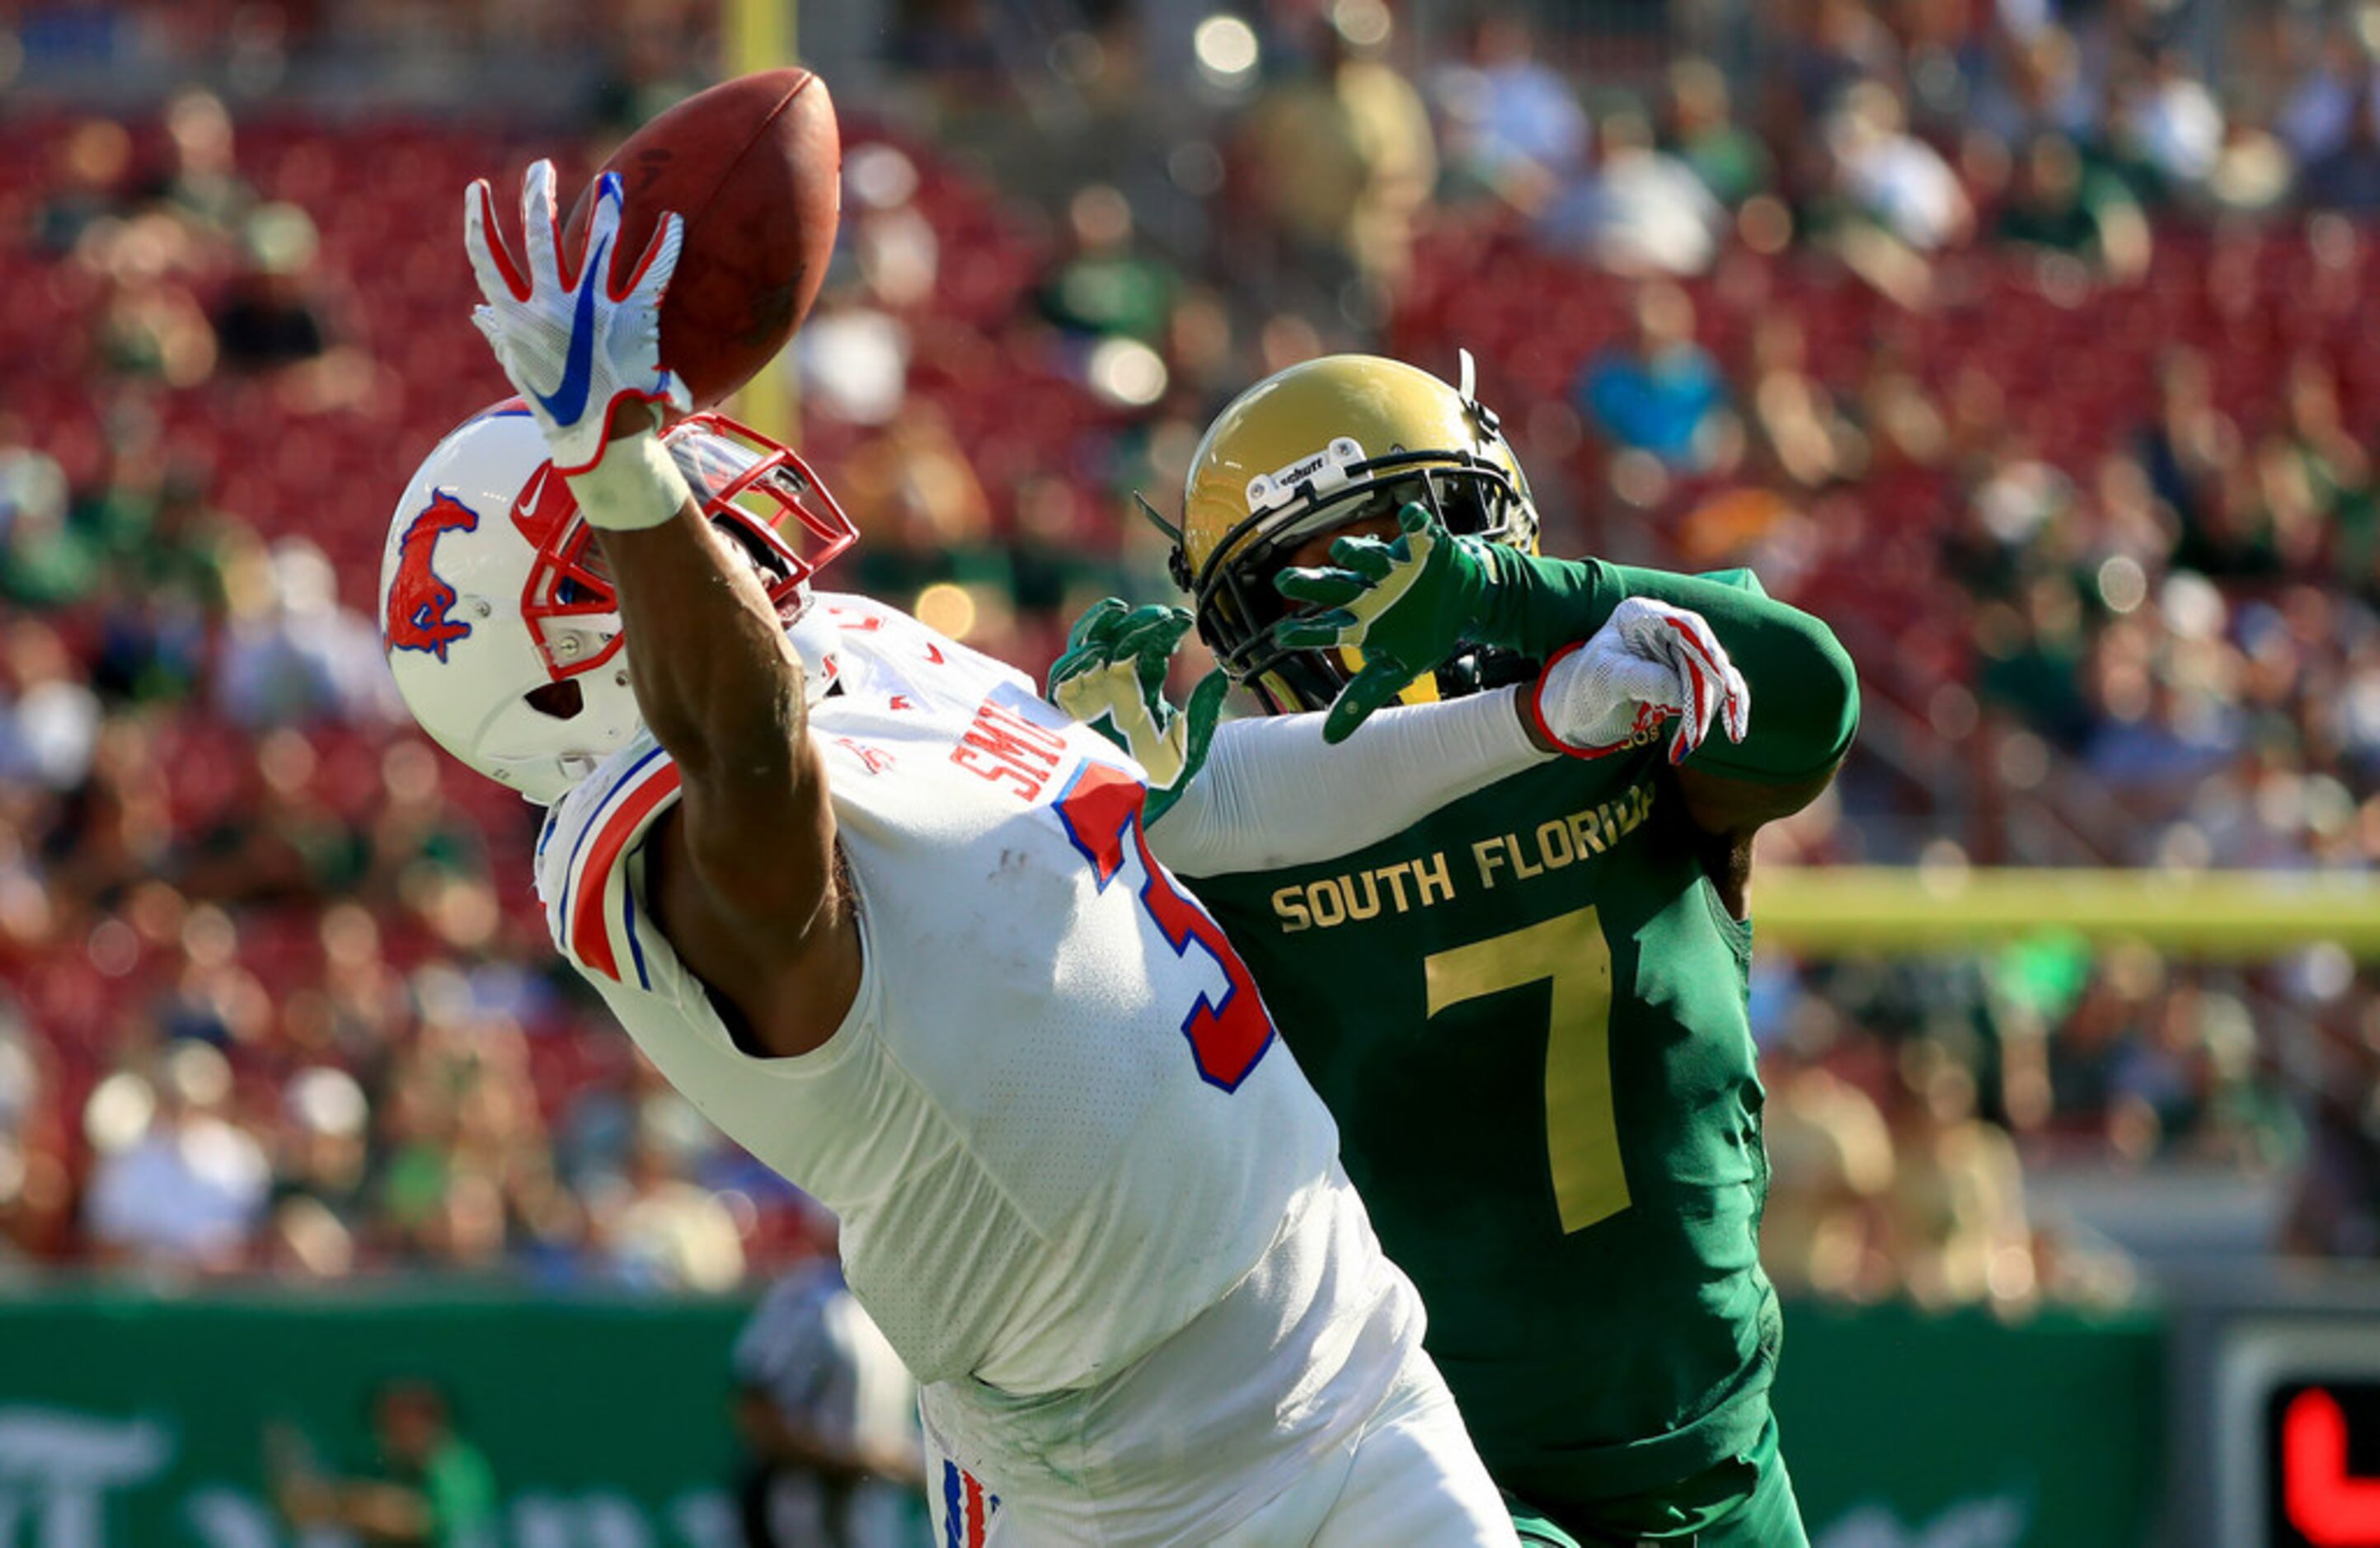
[496, 612]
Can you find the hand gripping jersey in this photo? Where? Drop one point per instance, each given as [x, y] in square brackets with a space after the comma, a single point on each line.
[1055, 1124]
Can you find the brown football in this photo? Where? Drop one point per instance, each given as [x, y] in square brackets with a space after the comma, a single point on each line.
[754, 165]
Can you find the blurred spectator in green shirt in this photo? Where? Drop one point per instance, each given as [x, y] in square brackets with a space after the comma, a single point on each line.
[1108, 288]
[433, 1488]
[2060, 206]
[1729, 157]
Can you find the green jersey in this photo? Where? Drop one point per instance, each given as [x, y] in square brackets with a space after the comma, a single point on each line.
[1528, 1012]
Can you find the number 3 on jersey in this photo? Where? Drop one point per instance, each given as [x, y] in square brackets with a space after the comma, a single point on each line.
[1099, 807]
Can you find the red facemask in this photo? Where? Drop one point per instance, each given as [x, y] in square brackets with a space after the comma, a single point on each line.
[756, 490]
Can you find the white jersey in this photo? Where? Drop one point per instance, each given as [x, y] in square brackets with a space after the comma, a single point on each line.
[1055, 1123]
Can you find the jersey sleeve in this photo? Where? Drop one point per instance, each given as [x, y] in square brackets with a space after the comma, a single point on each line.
[584, 869]
[1804, 691]
[1273, 792]
[591, 876]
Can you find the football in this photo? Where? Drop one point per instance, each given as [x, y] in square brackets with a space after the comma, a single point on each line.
[754, 165]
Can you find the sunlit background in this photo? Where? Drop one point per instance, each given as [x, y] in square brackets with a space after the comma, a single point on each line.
[2029, 344]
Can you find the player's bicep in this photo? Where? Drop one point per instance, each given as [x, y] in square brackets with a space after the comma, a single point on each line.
[759, 842]
[765, 923]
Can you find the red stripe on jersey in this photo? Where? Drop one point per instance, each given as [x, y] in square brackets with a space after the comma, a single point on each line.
[974, 1511]
[590, 935]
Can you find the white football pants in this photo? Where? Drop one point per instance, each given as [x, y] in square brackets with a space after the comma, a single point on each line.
[1409, 1479]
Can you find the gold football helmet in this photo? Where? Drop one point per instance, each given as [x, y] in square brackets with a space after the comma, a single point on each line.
[1315, 448]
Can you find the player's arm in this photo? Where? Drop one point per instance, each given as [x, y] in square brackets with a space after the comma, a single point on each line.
[742, 878]
[743, 884]
[1274, 792]
[1797, 674]
[1253, 795]
[383, 1512]
[1409, 602]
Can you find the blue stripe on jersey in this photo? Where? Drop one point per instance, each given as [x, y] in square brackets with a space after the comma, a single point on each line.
[570, 871]
[635, 947]
[953, 1506]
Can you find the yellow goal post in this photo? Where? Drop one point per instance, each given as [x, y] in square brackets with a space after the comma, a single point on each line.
[759, 35]
[2213, 915]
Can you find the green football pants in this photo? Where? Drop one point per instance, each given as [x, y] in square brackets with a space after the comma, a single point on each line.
[1771, 1517]
[1766, 1518]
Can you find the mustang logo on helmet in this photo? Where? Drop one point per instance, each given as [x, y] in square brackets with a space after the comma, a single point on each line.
[418, 600]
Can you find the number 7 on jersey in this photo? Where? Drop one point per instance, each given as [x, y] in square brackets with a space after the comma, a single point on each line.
[1582, 1129]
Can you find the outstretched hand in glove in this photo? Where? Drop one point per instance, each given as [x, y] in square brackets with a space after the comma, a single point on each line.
[1112, 678]
[1406, 604]
[577, 347]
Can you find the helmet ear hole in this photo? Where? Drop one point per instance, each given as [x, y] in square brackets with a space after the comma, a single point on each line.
[560, 701]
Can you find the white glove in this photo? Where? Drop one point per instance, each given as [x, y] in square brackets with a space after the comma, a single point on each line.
[572, 350]
[1649, 662]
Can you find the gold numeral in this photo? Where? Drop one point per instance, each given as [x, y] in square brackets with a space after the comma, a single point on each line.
[1582, 1129]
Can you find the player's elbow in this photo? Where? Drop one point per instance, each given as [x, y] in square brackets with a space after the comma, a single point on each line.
[1807, 677]
[1836, 681]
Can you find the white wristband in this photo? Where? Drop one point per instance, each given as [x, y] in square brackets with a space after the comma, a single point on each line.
[635, 485]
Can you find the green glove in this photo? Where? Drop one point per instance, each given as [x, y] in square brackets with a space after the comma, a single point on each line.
[1407, 605]
[1112, 678]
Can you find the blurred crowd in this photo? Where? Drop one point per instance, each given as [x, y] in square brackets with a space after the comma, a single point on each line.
[2013, 339]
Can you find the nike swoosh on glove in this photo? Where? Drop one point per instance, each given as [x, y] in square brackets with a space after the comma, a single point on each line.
[1649, 663]
[577, 346]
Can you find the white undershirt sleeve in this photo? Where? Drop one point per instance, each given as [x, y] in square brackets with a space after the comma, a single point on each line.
[1273, 792]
